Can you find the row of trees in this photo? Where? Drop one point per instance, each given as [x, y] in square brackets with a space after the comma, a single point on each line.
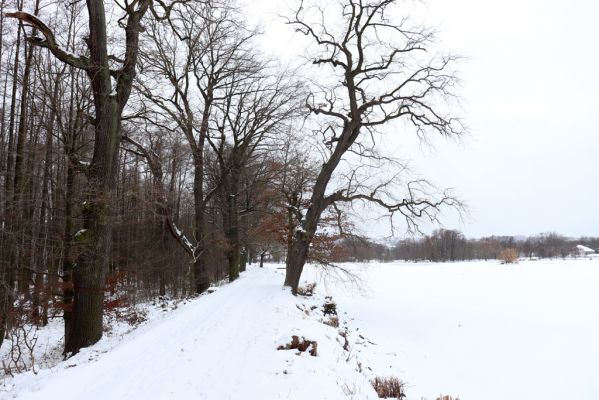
[149, 144]
[451, 245]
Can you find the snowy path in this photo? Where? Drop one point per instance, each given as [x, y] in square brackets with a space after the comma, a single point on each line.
[221, 346]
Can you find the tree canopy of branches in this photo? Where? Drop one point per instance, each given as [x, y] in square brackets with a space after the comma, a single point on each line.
[379, 72]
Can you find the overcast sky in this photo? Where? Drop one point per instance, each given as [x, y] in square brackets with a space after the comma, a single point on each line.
[530, 93]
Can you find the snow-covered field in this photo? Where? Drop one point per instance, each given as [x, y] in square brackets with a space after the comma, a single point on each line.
[482, 330]
[476, 330]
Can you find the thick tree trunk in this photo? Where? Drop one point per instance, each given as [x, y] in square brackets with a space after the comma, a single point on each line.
[296, 259]
[92, 265]
[298, 251]
[96, 236]
[89, 276]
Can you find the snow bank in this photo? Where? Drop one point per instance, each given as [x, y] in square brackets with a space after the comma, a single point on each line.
[219, 346]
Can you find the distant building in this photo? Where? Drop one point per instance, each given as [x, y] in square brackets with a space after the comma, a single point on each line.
[583, 251]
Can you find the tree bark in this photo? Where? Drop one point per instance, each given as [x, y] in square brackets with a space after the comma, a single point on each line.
[298, 251]
[200, 271]
[232, 221]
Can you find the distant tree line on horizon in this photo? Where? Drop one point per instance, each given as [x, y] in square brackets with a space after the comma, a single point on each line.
[451, 245]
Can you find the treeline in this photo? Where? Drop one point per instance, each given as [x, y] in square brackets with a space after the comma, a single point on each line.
[199, 175]
[451, 245]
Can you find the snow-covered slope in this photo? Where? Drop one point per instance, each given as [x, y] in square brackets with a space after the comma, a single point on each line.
[220, 346]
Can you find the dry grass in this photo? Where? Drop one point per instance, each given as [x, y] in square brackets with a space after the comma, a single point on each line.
[508, 256]
[302, 346]
[307, 291]
[388, 388]
[332, 321]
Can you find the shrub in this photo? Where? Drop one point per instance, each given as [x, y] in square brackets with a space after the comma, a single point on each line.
[508, 256]
[307, 290]
[302, 346]
[329, 307]
[332, 321]
[388, 388]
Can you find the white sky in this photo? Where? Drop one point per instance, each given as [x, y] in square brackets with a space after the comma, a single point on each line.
[530, 95]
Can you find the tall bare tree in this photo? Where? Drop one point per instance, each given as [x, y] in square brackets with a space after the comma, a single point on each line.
[256, 110]
[378, 72]
[195, 59]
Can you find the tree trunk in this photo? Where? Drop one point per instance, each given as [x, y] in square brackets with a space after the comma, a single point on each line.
[8, 252]
[96, 236]
[10, 160]
[92, 264]
[296, 259]
[67, 236]
[200, 270]
[232, 228]
[67, 256]
[298, 251]
[262, 254]
[243, 259]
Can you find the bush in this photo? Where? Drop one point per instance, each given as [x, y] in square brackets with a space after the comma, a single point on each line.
[302, 346]
[332, 321]
[508, 256]
[329, 307]
[307, 290]
[388, 388]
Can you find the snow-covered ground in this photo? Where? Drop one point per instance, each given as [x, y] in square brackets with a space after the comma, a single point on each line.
[482, 330]
[219, 346]
[477, 330]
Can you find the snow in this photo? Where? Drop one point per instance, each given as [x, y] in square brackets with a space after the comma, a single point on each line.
[219, 346]
[481, 330]
[80, 232]
[477, 330]
[584, 249]
[179, 233]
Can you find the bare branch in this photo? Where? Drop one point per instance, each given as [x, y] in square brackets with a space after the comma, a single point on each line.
[49, 40]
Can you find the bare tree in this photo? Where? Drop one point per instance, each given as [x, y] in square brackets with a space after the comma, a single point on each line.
[256, 109]
[379, 73]
[194, 59]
